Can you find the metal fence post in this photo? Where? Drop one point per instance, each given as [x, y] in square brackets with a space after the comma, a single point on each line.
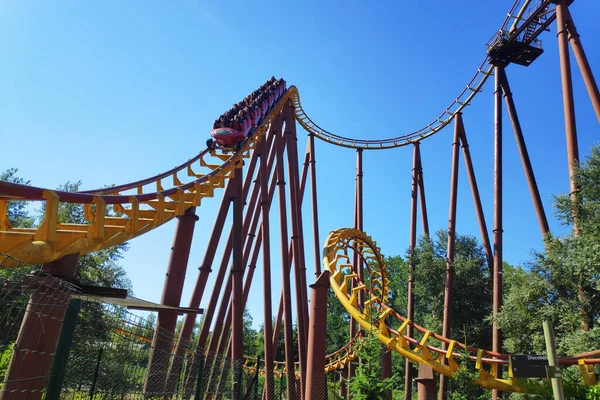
[557, 387]
[256, 378]
[96, 371]
[63, 349]
[200, 376]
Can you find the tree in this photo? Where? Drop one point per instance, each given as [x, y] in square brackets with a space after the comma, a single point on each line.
[17, 212]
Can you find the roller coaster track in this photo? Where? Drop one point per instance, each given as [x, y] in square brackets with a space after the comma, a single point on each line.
[151, 205]
[376, 316]
[138, 213]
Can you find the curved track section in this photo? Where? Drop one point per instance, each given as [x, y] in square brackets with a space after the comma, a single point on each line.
[148, 207]
[375, 316]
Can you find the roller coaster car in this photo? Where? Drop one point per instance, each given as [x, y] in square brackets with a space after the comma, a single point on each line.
[226, 139]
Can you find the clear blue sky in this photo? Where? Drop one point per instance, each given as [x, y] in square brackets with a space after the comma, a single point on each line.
[113, 91]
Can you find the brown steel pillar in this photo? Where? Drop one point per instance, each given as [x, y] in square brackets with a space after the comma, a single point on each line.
[204, 270]
[533, 188]
[497, 293]
[584, 66]
[266, 252]
[292, 159]
[568, 102]
[421, 184]
[295, 175]
[359, 217]
[562, 21]
[162, 342]
[237, 275]
[425, 383]
[408, 374]
[316, 380]
[287, 297]
[315, 209]
[31, 361]
[448, 291]
[386, 367]
[485, 239]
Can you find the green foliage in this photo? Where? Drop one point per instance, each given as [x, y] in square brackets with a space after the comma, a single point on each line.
[367, 383]
[17, 212]
[463, 386]
[5, 356]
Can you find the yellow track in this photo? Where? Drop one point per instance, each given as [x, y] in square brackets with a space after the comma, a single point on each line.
[372, 317]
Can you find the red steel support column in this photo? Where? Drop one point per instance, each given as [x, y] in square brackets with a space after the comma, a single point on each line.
[408, 375]
[266, 251]
[562, 21]
[568, 102]
[485, 239]
[290, 138]
[450, 249]
[425, 383]
[497, 294]
[533, 188]
[237, 274]
[584, 65]
[31, 361]
[316, 384]
[162, 342]
[421, 184]
[287, 299]
[359, 216]
[315, 210]
[299, 196]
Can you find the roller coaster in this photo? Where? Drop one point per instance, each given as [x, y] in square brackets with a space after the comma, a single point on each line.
[351, 264]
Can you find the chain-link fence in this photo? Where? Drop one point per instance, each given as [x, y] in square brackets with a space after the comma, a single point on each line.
[54, 343]
[57, 343]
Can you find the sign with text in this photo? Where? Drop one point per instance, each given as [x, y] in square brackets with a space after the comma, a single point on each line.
[529, 366]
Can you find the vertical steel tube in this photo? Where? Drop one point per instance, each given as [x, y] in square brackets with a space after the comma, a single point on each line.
[289, 136]
[485, 239]
[582, 61]
[497, 293]
[287, 299]
[315, 209]
[316, 386]
[408, 374]
[533, 188]
[162, 341]
[359, 217]
[568, 102]
[421, 185]
[450, 248]
[266, 252]
[237, 274]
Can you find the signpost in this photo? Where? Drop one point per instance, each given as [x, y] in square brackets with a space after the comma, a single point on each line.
[529, 366]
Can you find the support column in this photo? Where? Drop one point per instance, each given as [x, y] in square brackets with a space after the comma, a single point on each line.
[316, 386]
[287, 298]
[299, 271]
[568, 102]
[584, 65]
[266, 251]
[485, 239]
[162, 342]
[533, 188]
[421, 185]
[497, 293]
[34, 349]
[410, 314]
[386, 367]
[425, 383]
[315, 209]
[448, 291]
[237, 277]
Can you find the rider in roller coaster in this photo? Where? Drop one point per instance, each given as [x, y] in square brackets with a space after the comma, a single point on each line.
[234, 126]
